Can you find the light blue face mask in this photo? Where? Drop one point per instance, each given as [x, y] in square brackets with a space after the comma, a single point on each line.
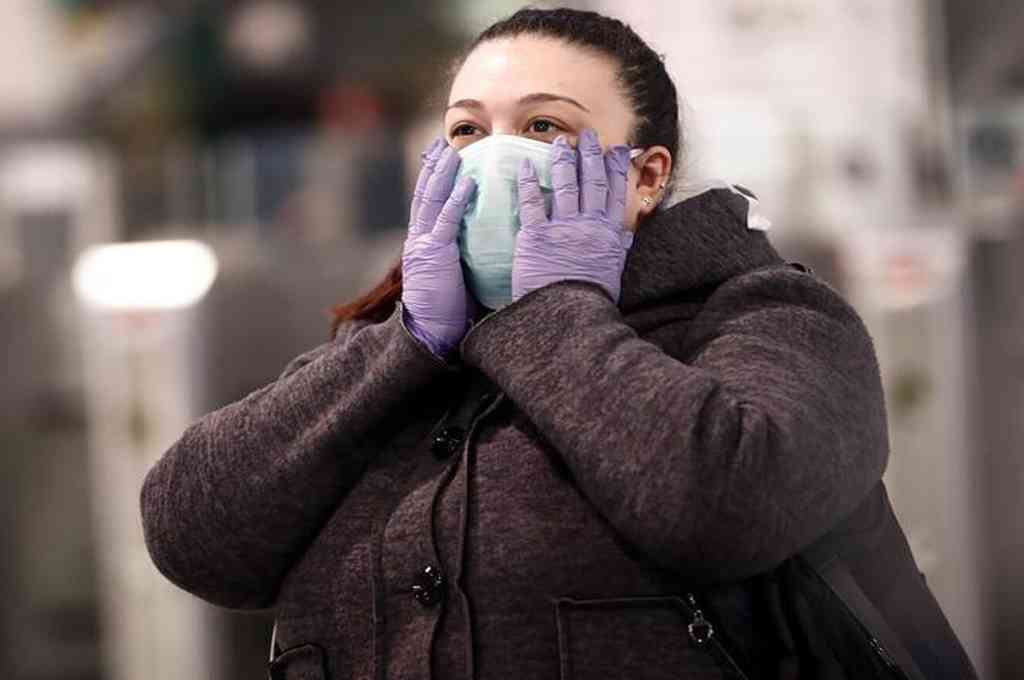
[487, 235]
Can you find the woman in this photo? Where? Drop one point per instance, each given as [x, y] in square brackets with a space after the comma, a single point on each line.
[571, 407]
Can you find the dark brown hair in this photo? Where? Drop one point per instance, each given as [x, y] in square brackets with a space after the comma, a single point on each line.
[641, 74]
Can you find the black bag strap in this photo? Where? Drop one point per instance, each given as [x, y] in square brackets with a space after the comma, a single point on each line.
[302, 658]
[880, 636]
[824, 558]
[274, 651]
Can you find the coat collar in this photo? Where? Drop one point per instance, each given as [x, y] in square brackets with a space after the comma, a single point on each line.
[688, 247]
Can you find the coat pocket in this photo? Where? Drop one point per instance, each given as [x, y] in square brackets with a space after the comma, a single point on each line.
[300, 662]
[642, 638]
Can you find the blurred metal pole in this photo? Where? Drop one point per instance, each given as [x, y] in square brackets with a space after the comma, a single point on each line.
[997, 404]
[993, 176]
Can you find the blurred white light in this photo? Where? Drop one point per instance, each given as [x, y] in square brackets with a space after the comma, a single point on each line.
[267, 34]
[145, 275]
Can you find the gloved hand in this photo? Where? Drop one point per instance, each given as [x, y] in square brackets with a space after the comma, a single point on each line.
[438, 309]
[585, 238]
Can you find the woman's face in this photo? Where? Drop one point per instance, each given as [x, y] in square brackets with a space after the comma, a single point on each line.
[540, 88]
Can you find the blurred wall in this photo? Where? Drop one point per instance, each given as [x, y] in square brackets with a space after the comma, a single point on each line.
[36, 77]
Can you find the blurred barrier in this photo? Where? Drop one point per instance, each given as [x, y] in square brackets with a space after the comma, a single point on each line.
[138, 351]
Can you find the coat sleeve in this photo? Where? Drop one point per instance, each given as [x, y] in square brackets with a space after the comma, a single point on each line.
[229, 506]
[723, 462]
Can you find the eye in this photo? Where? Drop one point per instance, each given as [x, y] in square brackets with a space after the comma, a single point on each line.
[544, 126]
[463, 129]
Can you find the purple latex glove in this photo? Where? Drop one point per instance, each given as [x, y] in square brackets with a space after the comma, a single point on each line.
[438, 309]
[585, 238]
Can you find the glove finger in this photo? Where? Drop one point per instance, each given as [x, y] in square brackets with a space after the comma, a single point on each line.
[566, 201]
[429, 158]
[531, 199]
[593, 177]
[439, 188]
[617, 168]
[448, 222]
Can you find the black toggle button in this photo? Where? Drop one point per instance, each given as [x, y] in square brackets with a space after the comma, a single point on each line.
[428, 586]
[447, 441]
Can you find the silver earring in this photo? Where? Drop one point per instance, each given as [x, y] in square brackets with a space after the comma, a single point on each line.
[647, 201]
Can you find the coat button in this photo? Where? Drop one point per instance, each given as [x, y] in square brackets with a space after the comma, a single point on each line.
[447, 441]
[428, 586]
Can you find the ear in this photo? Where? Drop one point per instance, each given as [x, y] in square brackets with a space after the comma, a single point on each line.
[648, 175]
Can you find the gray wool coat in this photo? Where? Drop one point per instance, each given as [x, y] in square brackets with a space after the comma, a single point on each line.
[724, 414]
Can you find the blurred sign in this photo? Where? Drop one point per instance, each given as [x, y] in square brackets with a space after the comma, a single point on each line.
[904, 268]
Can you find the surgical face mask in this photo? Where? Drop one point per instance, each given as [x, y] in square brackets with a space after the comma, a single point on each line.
[487, 235]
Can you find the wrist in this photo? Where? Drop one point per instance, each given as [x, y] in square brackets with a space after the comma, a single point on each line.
[440, 346]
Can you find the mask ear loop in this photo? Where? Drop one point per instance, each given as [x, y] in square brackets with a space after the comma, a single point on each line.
[633, 154]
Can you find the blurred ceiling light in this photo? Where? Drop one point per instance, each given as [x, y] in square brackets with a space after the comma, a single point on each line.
[144, 275]
[269, 34]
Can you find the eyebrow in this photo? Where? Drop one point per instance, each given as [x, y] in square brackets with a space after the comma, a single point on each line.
[534, 98]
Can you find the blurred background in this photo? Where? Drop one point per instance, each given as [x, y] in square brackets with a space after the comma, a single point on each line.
[187, 187]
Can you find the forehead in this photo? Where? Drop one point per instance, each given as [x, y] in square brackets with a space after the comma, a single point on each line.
[498, 72]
